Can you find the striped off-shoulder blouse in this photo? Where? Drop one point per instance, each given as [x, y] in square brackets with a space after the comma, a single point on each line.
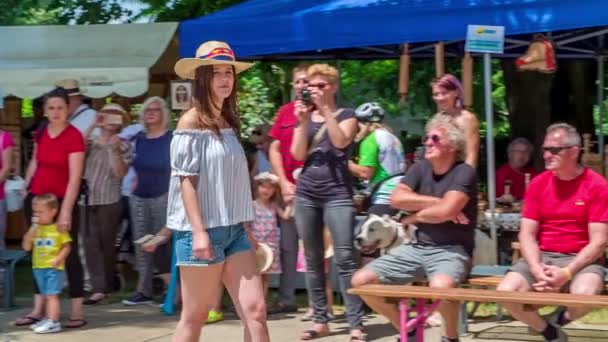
[223, 187]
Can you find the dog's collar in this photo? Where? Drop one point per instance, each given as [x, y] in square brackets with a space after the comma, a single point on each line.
[393, 240]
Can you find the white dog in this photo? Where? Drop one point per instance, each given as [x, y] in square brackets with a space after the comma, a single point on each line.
[384, 233]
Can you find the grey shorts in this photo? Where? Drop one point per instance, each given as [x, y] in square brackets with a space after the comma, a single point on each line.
[559, 260]
[408, 263]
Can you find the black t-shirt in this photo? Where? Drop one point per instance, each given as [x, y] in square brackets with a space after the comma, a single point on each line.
[325, 174]
[461, 177]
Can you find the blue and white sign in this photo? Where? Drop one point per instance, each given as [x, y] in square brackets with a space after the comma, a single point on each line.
[485, 39]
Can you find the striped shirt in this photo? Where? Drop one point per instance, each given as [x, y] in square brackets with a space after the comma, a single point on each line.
[104, 185]
[223, 188]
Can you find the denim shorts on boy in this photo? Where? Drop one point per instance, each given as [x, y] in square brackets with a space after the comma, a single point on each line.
[408, 263]
[49, 280]
[226, 241]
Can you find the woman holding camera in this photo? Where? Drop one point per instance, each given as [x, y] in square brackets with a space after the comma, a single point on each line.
[107, 161]
[324, 193]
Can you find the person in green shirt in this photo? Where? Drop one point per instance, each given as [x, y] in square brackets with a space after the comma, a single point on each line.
[381, 157]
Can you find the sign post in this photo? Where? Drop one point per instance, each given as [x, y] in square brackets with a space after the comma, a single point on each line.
[487, 40]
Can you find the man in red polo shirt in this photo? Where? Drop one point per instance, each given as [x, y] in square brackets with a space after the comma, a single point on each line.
[563, 233]
[514, 171]
[283, 165]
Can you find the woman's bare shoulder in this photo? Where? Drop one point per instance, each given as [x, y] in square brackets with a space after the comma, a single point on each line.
[188, 120]
[469, 117]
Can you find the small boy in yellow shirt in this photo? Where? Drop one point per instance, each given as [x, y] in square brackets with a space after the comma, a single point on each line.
[50, 249]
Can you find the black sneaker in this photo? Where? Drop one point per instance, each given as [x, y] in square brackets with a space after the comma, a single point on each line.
[137, 299]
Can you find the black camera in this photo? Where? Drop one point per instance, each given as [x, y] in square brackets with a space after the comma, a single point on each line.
[305, 97]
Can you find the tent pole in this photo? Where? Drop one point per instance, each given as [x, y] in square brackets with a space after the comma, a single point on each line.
[600, 103]
[487, 82]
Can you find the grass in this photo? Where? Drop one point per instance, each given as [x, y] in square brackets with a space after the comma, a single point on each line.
[25, 287]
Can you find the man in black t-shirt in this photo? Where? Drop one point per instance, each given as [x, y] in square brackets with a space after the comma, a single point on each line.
[440, 192]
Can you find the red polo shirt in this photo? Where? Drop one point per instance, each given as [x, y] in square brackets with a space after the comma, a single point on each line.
[564, 209]
[518, 180]
[282, 130]
[52, 166]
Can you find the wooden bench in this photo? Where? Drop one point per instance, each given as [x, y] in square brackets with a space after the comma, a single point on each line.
[422, 293]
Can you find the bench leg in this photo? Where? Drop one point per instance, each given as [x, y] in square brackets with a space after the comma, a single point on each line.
[403, 312]
[421, 319]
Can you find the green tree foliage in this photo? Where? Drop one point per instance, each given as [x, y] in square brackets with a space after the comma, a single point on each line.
[255, 103]
[178, 10]
[58, 12]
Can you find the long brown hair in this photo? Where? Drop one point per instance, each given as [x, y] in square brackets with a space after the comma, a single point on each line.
[202, 99]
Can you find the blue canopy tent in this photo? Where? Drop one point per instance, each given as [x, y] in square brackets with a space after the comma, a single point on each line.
[259, 29]
[376, 29]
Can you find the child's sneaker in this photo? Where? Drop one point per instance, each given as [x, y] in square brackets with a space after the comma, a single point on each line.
[48, 327]
[37, 324]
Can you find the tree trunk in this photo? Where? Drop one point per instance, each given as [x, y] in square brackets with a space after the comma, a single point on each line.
[529, 103]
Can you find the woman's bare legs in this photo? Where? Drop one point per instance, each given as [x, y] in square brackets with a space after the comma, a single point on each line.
[244, 284]
[200, 288]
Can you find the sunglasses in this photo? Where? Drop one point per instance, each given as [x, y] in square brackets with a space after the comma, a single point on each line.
[301, 80]
[318, 85]
[256, 132]
[435, 139]
[556, 150]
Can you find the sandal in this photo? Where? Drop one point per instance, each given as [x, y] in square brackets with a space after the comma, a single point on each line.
[26, 321]
[313, 335]
[362, 338]
[78, 323]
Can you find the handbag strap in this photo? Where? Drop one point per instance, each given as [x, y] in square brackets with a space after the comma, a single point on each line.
[319, 135]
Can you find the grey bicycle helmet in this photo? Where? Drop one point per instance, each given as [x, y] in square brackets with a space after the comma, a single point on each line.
[369, 112]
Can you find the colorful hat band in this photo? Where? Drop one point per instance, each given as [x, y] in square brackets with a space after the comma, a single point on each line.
[219, 54]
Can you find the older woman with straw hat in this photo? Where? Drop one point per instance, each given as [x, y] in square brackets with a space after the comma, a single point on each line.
[210, 198]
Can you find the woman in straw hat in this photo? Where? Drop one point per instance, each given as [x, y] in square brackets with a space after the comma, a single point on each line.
[210, 198]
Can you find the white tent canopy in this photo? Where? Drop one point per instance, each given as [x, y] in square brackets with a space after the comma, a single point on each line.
[105, 59]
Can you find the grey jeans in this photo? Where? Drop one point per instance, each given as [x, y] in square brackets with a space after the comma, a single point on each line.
[311, 216]
[289, 258]
[148, 216]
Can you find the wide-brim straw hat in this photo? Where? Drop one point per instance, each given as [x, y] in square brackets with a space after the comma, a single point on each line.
[263, 257]
[209, 53]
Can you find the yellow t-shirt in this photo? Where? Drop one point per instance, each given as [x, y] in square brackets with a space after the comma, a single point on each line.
[47, 245]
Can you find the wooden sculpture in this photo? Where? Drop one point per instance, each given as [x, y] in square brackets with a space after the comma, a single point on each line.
[540, 56]
[467, 79]
[404, 73]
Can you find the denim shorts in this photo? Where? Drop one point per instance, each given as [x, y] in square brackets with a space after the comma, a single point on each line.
[226, 241]
[49, 280]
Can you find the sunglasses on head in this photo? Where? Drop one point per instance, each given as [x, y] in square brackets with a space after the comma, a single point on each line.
[435, 139]
[318, 85]
[555, 150]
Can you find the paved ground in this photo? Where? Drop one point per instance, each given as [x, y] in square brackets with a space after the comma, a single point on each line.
[117, 323]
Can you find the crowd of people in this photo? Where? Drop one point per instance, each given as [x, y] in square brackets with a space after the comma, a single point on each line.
[197, 183]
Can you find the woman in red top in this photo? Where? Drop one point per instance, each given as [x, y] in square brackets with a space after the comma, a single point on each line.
[57, 168]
